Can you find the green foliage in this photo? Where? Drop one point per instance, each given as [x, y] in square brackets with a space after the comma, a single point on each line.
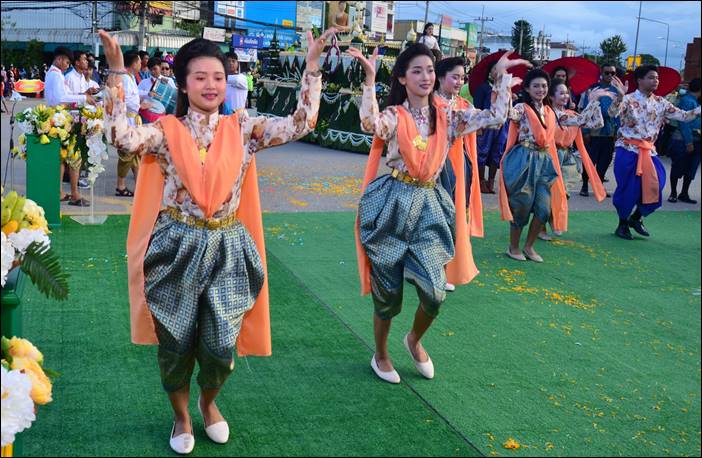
[43, 268]
[522, 32]
[612, 49]
[194, 28]
[648, 59]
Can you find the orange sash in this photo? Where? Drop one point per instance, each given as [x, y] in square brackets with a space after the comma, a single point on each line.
[564, 139]
[209, 185]
[423, 165]
[545, 139]
[646, 170]
[475, 209]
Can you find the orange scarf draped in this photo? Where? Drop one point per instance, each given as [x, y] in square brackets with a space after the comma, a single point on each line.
[564, 139]
[209, 185]
[545, 138]
[646, 170]
[423, 165]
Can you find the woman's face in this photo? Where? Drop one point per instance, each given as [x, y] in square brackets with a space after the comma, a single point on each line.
[560, 74]
[419, 78]
[537, 89]
[206, 84]
[561, 96]
[453, 81]
[430, 30]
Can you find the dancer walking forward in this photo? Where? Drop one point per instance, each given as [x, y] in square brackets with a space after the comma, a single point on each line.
[640, 174]
[530, 167]
[406, 224]
[197, 272]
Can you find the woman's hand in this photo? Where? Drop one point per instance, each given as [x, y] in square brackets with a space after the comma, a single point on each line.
[505, 63]
[367, 64]
[599, 93]
[622, 88]
[113, 53]
[316, 47]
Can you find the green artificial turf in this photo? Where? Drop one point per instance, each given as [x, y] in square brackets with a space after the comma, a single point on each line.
[594, 352]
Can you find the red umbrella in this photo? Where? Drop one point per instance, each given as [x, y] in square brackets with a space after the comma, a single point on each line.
[668, 80]
[582, 72]
[479, 73]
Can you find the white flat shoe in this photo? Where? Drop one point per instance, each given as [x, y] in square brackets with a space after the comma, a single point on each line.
[390, 377]
[544, 236]
[217, 432]
[535, 258]
[516, 257]
[182, 443]
[450, 287]
[426, 368]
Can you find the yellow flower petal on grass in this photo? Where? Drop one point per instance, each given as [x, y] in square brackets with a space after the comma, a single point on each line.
[511, 444]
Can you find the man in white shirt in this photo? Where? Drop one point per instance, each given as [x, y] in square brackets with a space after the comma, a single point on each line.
[147, 83]
[127, 161]
[75, 78]
[57, 92]
[237, 84]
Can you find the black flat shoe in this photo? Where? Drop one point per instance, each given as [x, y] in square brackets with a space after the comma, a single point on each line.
[623, 232]
[686, 199]
[672, 199]
[638, 226]
[584, 193]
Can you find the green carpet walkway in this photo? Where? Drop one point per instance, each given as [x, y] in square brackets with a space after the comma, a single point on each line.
[596, 352]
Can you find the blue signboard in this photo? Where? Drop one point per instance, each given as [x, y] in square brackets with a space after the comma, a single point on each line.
[286, 37]
[247, 41]
[280, 13]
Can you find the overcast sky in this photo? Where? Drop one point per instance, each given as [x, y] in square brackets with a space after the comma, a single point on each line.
[588, 21]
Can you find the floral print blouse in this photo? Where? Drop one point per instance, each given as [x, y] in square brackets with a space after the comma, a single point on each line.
[642, 117]
[257, 133]
[591, 117]
[460, 122]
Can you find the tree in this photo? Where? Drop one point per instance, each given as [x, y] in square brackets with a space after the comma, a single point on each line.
[194, 28]
[522, 40]
[647, 59]
[612, 49]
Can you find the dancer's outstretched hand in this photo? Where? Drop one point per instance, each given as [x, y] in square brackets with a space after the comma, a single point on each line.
[599, 93]
[316, 47]
[367, 64]
[505, 63]
[622, 88]
[113, 53]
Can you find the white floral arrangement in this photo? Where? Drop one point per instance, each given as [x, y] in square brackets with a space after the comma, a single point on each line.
[93, 128]
[17, 405]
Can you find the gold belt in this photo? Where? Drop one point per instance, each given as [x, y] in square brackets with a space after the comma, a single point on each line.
[403, 177]
[534, 146]
[212, 223]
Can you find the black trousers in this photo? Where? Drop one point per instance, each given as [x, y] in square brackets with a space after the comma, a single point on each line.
[601, 151]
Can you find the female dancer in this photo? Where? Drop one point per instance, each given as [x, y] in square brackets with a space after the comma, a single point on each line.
[450, 73]
[559, 97]
[195, 246]
[530, 167]
[406, 224]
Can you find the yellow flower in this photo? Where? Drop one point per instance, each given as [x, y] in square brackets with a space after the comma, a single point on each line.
[511, 444]
[419, 143]
[41, 385]
[53, 132]
[44, 139]
[22, 139]
[64, 153]
[22, 348]
[63, 134]
[45, 126]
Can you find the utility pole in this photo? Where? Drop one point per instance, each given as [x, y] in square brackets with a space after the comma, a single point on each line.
[426, 12]
[142, 26]
[94, 30]
[521, 34]
[482, 20]
[638, 23]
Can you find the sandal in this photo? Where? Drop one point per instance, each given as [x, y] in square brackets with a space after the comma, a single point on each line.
[79, 203]
[126, 192]
[65, 198]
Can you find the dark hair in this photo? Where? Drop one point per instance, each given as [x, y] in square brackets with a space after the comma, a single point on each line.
[77, 55]
[694, 85]
[154, 62]
[642, 71]
[620, 72]
[142, 54]
[554, 85]
[199, 47]
[61, 51]
[608, 64]
[398, 92]
[426, 26]
[130, 57]
[446, 65]
[231, 55]
[553, 73]
[531, 76]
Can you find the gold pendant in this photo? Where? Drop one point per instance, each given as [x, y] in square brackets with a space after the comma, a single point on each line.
[203, 154]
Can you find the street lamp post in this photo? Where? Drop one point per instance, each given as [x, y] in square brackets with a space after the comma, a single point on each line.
[667, 36]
